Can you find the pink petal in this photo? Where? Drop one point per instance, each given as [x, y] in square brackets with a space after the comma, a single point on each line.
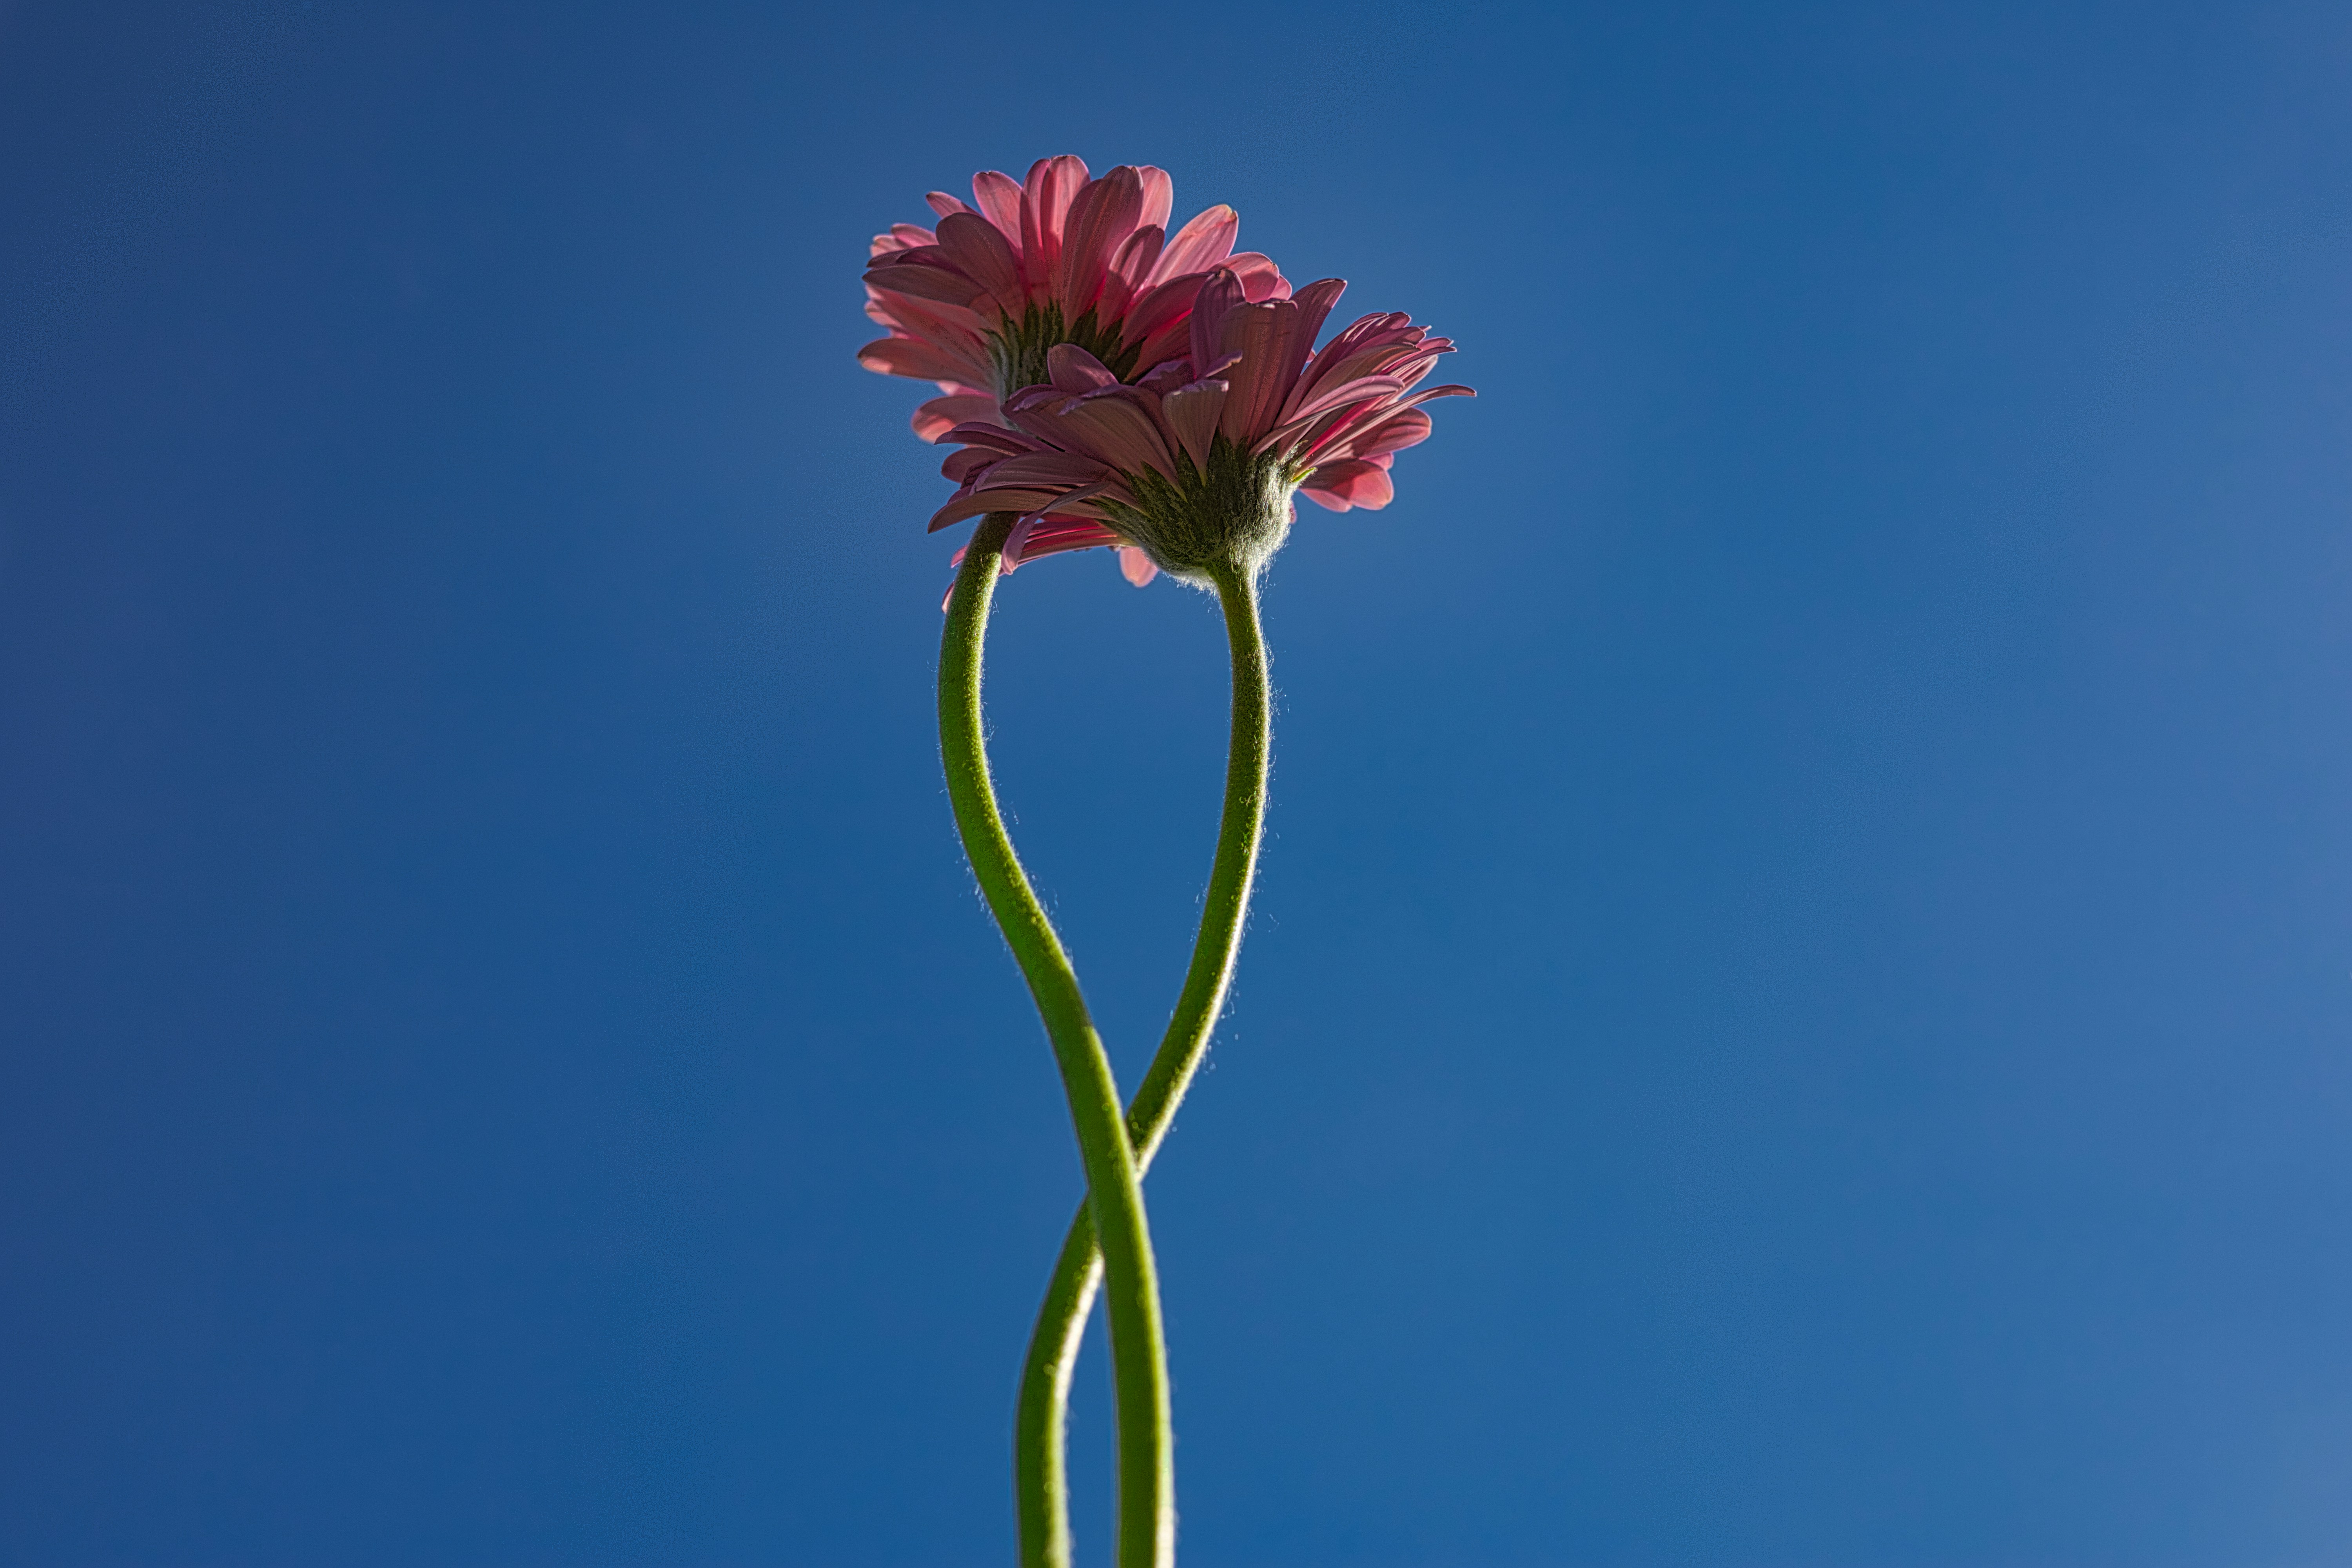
[1129, 266]
[995, 438]
[1163, 305]
[1159, 195]
[986, 500]
[1051, 471]
[916, 274]
[1315, 302]
[1362, 346]
[1330, 437]
[1261, 280]
[1327, 398]
[1045, 197]
[1350, 483]
[1345, 358]
[943, 204]
[1408, 428]
[1166, 376]
[979, 252]
[1221, 295]
[1262, 334]
[933, 319]
[963, 464]
[998, 197]
[1136, 566]
[1166, 346]
[1027, 400]
[1199, 244]
[1055, 533]
[941, 414]
[1075, 371]
[951, 332]
[1135, 258]
[1434, 394]
[1015, 540]
[1104, 214]
[911, 356]
[1192, 412]
[1114, 429]
[1355, 429]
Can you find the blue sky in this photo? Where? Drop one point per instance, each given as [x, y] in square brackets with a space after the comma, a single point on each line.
[1797, 1008]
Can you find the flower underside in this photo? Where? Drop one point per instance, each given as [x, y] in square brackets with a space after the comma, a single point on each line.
[1235, 509]
[1016, 350]
[1193, 466]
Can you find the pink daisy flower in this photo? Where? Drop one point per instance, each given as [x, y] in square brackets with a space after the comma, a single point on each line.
[1060, 258]
[1197, 463]
[977, 303]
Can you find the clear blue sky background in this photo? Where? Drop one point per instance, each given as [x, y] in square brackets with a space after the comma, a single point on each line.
[1799, 1009]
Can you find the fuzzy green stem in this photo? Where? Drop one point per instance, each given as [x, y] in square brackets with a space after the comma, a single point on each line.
[1040, 1477]
[1147, 1469]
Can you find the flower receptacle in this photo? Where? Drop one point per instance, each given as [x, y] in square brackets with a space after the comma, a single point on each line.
[1235, 511]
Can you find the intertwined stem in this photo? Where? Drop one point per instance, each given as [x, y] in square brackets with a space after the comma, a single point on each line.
[1146, 1472]
[1041, 1481]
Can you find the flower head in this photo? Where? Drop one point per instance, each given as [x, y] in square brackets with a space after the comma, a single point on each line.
[1195, 465]
[976, 304]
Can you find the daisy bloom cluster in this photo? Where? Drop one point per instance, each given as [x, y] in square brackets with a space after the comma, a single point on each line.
[1194, 465]
[1105, 382]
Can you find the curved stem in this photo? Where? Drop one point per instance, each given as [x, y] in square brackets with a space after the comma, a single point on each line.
[1147, 1470]
[1041, 1478]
